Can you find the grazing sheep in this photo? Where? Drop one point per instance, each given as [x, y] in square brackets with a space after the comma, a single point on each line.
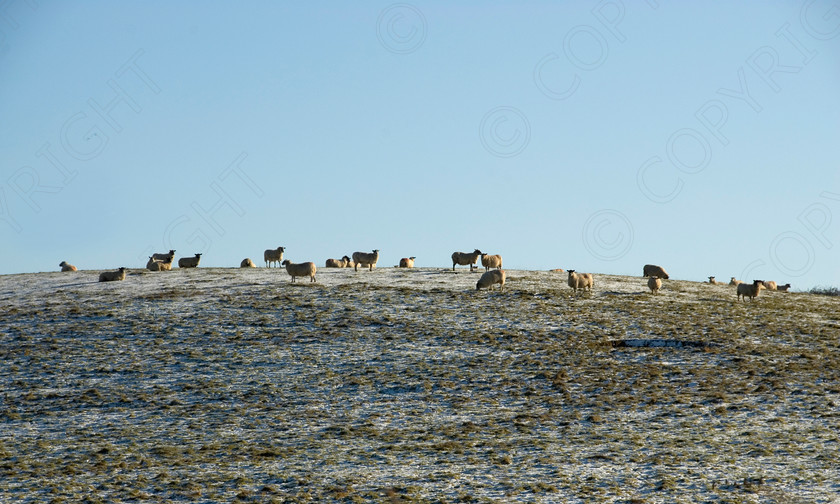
[273, 255]
[489, 278]
[247, 263]
[300, 269]
[654, 284]
[783, 288]
[112, 276]
[749, 290]
[67, 267]
[734, 282]
[581, 280]
[344, 262]
[407, 262]
[713, 281]
[654, 270]
[770, 285]
[189, 262]
[158, 265]
[464, 259]
[365, 259]
[491, 261]
[164, 257]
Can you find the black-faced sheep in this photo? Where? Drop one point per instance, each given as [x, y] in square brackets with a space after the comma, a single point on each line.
[407, 262]
[734, 282]
[189, 262]
[654, 284]
[583, 281]
[344, 262]
[300, 269]
[112, 276]
[783, 288]
[653, 270]
[491, 261]
[273, 255]
[168, 257]
[247, 263]
[67, 267]
[490, 278]
[464, 259]
[158, 265]
[713, 281]
[751, 291]
[363, 259]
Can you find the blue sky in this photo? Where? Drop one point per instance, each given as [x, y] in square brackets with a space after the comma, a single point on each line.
[598, 136]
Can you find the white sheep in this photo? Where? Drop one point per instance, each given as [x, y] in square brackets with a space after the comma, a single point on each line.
[770, 285]
[67, 267]
[581, 280]
[407, 262]
[344, 262]
[300, 269]
[247, 263]
[491, 261]
[464, 259]
[365, 259]
[158, 265]
[112, 276]
[734, 282]
[653, 270]
[273, 255]
[749, 290]
[654, 284]
[713, 281]
[489, 278]
[168, 257]
[783, 288]
[189, 262]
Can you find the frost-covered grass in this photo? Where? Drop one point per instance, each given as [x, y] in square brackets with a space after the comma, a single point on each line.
[396, 385]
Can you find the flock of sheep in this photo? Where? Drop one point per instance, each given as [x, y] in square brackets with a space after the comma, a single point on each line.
[493, 272]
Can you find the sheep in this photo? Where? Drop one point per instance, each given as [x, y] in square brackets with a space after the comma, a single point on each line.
[464, 259]
[713, 281]
[344, 262]
[491, 261]
[783, 288]
[365, 259]
[300, 269]
[164, 257]
[489, 278]
[654, 284]
[749, 290]
[653, 270]
[157, 265]
[189, 262]
[273, 255]
[734, 282]
[247, 263]
[770, 285]
[407, 262]
[112, 276]
[581, 280]
[67, 267]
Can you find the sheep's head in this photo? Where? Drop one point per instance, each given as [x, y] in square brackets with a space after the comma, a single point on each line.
[476, 251]
[197, 254]
[285, 262]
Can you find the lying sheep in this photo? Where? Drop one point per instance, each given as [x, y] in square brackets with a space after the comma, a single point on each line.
[713, 281]
[770, 285]
[273, 255]
[491, 261]
[365, 259]
[464, 259]
[300, 269]
[247, 263]
[783, 288]
[489, 278]
[344, 262]
[189, 262]
[407, 262]
[67, 267]
[749, 290]
[112, 276]
[653, 270]
[169, 257]
[654, 284]
[734, 282]
[581, 280]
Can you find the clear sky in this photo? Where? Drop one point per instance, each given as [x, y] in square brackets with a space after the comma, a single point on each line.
[594, 135]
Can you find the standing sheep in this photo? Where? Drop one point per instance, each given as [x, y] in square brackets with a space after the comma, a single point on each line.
[247, 263]
[489, 278]
[407, 262]
[67, 267]
[491, 261]
[158, 265]
[273, 255]
[653, 270]
[784, 288]
[189, 262]
[300, 269]
[654, 284]
[581, 280]
[749, 290]
[734, 282]
[168, 257]
[365, 259]
[112, 276]
[464, 259]
[344, 262]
